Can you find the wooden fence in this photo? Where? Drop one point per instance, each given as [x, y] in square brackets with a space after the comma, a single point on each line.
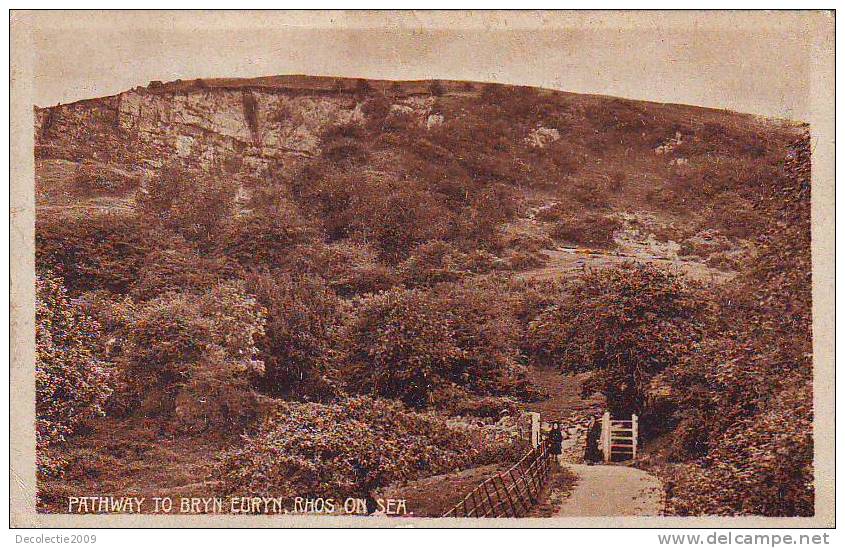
[511, 493]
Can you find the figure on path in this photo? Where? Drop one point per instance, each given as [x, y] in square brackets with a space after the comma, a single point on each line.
[592, 454]
[556, 442]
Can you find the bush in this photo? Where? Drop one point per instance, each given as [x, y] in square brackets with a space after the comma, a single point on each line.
[435, 87]
[350, 448]
[265, 236]
[299, 346]
[97, 252]
[348, 267]
[762, 465]
[400, 346]
[409, 344]
[488, 335]
[190, 203]
[176, 266]
[626, 324]
[400, 218]
[188, 348]
[433, 262]
[526, 260]
[71, 378]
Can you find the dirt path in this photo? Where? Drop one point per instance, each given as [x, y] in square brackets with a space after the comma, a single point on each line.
[565, 262]
[604, 490]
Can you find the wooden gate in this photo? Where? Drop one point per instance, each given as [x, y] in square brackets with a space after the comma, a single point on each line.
[618, 437]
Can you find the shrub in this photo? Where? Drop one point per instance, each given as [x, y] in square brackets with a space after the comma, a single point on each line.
[432, 263]
[626, 324]
[176, 266]
[350, 448]
[97, 252]
[398, 219]
[185, 347]
[190, 203]
[349, 267]
[329, 194]
[265, 236]
[376, 110]
[526, 260]
[71, 378]
[400, 346]
[344, 152]
[410, 344]
[761, 465]
[488, 334]
[298, 347]
[456, 401]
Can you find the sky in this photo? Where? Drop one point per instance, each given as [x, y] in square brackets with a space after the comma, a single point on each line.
[738, 61]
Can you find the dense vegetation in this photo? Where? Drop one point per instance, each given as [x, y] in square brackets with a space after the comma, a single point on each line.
[348, 309]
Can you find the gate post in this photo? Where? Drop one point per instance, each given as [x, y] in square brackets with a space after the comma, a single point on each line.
[535, 428]
[605, 435]
[634, 432]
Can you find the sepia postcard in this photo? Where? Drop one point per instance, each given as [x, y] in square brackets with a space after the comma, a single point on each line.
[422, 268]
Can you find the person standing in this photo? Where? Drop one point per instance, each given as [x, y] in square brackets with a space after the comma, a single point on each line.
[592, 453]
[556, 442]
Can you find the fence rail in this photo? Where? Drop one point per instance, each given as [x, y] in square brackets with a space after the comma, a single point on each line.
[511, 493]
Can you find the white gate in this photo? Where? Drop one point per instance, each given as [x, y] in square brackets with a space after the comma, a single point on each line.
[618, 437]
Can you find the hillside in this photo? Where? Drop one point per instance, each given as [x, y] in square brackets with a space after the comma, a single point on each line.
[240, 252]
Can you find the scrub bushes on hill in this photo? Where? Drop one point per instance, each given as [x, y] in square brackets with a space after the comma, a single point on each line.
[71, 378]
[349, 448]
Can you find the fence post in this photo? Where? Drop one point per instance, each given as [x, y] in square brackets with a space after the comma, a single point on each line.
[634, 433]
[535, 429]
[605, 435]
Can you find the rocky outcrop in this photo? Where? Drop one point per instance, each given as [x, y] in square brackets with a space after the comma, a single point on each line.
[203, 127]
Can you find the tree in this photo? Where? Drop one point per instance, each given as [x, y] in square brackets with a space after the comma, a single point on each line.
[298, 347]
[400, 345]
[625, 324]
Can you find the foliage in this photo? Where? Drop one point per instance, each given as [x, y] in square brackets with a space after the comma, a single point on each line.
[177, 266]
[299, 345]
[400, 346]
[433, 262]
[626, 323]
[171, 198]
[751, 382]
[93, 252]
[71, 378]
[265, 235]
[408, 344]
[348, 267]
[487, 333]
[351, 448]
[183, 350]
[761, 465]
